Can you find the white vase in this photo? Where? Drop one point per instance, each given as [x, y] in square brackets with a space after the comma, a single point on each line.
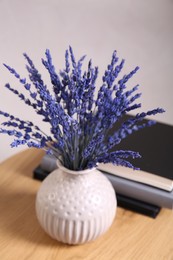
[75, 207]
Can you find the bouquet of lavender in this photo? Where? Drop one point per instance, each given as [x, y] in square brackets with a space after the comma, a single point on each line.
[79, 118]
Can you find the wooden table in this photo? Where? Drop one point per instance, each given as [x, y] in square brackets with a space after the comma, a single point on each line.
[132, 236]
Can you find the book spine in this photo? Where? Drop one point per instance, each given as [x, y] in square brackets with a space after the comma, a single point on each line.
[48, 163]
[142, 192]
[137, 206]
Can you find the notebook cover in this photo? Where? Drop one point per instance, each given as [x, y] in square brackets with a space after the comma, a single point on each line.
[138, 176]
[155, 144]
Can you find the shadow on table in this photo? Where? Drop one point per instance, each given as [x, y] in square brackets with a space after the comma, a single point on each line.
[18, 219]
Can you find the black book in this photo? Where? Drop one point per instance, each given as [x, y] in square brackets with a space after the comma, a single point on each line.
[122, 201]
[155, 144]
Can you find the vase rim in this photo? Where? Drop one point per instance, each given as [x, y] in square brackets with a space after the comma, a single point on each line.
[81, 172]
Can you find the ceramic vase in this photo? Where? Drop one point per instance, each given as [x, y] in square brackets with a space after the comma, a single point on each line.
[75, 207]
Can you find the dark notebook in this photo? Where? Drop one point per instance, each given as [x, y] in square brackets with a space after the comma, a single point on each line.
[155, 144]
[122, 201]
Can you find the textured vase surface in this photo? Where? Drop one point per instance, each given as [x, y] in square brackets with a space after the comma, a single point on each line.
[75, 207]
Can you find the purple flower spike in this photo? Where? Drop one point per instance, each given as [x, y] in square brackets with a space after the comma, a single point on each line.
[79, 118]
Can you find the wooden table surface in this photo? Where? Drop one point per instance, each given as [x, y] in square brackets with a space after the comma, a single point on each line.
[132, 236]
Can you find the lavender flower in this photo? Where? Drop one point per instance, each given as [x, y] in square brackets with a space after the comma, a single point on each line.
[79, 119]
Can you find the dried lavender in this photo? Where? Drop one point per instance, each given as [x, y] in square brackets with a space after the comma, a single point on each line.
[79, 121]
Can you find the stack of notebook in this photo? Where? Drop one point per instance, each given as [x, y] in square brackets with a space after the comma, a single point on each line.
[145, 191]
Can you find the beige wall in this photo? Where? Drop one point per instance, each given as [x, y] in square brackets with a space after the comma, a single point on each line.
[141, 32]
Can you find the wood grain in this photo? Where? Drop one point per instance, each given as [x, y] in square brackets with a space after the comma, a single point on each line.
[132, 236]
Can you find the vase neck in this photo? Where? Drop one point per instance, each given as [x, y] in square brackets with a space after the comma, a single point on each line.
[73, 172]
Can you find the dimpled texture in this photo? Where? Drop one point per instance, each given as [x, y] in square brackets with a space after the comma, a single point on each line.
[75, 209]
